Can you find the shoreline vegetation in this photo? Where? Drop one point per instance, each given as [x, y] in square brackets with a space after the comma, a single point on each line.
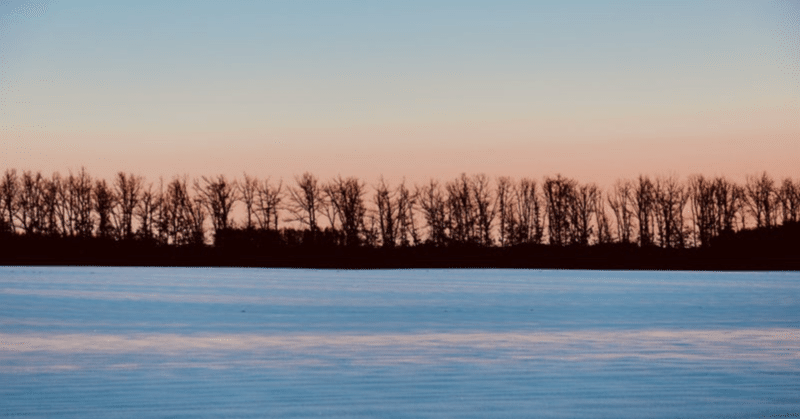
[474, 221]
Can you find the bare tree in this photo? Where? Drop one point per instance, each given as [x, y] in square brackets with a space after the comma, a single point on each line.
[703, 207]
[621, 202]
[146, 211]
[29, 202]
[347, 199]
[669, 199]
[789, 194]
[9, 188]
[460, 210]
[601, 219]
[387, 213]
[406, 226]
[504, 208]
[432, 203]
[761, 199]
[50, 224]
[728, 198]
[582, 211]
[528, 227]
[183, 215]
[104, 202]
[483, 208]
[128, 189]
[559, 193]
[644, 204]
[268, 201]
[217, 195]
[79, 188]
[249, 194]
[305, 201]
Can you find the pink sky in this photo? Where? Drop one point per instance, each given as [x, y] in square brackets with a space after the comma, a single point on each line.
[591, 90]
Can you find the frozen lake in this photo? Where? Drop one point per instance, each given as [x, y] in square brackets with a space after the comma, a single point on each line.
[174, 342]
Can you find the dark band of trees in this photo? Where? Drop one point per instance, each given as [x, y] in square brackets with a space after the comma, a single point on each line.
[473, 210]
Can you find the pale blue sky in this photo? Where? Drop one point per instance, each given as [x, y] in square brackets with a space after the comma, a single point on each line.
[367, 87]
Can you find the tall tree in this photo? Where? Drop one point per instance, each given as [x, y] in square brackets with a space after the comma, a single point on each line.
[504, 208]
[146, 211]
[249, 194]
[218, 195]
[761, 199]
[704, 209]
[559, 194]
[727, 197]
[644, 204]
[669, 201]
[305, 201]
[601, 219]
[387, 213]
[79, 188]
[529, 225]
[406, 226]
[128, 189]
[582, 211]
[30, 202]
[269, 199]
[460, 210]
[9, 187]
[104, 202]
[346, 197]
[184, 215]
[483, 208]
[789, 195]
[621, 202]
[432, 204]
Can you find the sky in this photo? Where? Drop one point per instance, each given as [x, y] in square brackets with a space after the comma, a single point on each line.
[594, 90]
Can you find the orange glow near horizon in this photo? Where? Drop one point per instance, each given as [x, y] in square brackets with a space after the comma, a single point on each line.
[591, 90]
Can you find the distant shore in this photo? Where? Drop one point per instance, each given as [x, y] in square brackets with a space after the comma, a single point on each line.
[762, 249]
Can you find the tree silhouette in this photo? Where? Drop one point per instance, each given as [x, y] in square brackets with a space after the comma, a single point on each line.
[789, 195]
[30, 214]
[670, 200]
[217, 195]
[432, 203]
[269, 199]
[644, 204]
[461, 217]
[305, 201]
[249, 194]
[761, 199]
[79, 191]
[713, 214]
[128, 189]
[601, 219]
[104, 202]
[504, 209]
[146, 211]
[406, 226]
[9, 190]
[529, 223]
[346, 197]
[387, 213]
[621, 202]
[484, 209]
[182, 215]
[583, 210]
[559, 194]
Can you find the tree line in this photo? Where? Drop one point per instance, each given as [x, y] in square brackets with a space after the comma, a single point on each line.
[477, 210]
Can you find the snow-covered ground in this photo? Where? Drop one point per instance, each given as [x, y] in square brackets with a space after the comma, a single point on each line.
[170, 342]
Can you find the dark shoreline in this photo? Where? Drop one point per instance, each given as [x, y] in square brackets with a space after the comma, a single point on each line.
[748, 250]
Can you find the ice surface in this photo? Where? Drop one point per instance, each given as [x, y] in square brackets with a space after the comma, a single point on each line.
[174, 342]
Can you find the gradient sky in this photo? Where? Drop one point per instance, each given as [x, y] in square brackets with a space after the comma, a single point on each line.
[594, 90]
